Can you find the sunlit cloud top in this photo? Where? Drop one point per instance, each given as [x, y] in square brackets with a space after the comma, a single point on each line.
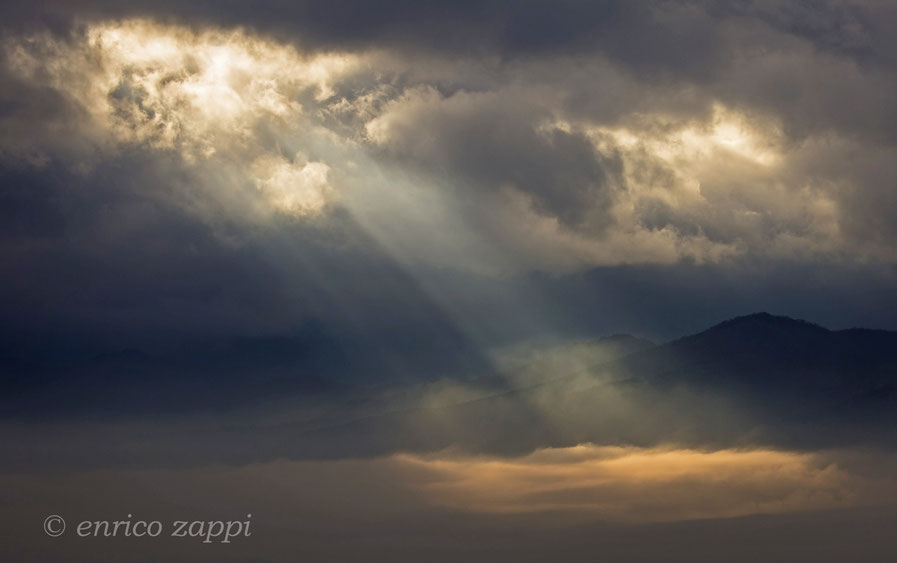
[202, 94]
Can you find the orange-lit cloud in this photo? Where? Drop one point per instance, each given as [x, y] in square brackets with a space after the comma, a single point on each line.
[636, 484]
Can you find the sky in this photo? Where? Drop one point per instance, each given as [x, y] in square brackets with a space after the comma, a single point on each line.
[270, 201]
[249, 171]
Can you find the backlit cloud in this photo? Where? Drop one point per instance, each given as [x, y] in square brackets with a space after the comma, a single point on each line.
[518, 169]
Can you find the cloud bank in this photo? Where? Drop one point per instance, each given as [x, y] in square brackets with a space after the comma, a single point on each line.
[560, 156]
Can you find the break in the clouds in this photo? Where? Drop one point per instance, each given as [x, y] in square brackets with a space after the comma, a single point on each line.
[717, 134]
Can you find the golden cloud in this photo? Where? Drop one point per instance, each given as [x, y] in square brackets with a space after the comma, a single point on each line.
[637, 484]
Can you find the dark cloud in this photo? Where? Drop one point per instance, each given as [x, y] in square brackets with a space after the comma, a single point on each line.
[467, 26]
[657, 36]
[855, 29]
[493, 141]
[111, 291]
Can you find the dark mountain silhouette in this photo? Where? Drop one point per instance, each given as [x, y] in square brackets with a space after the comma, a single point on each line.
[757, 378]
[779, 360]
[754, 379]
